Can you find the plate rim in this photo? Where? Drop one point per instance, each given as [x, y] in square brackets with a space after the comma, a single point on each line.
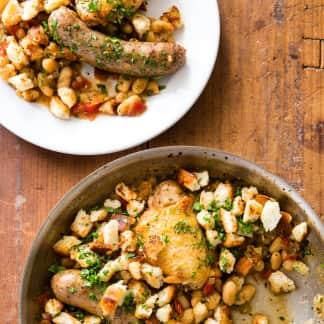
[140, 141]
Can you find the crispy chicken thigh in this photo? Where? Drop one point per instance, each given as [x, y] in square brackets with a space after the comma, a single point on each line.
[172, 238]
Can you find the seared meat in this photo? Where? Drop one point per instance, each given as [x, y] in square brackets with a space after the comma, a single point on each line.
[111, 54]
[172, 237]
[64, 281]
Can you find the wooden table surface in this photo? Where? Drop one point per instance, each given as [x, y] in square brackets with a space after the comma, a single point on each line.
[264, 102]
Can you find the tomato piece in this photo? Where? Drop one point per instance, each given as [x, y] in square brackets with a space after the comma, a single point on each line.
[3, 48]
[208, 289]
[80, 83]
[85, 108]
[137, 108]
[68, 55]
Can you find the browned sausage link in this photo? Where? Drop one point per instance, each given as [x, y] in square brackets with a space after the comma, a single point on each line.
[69, 288]
[111, 54]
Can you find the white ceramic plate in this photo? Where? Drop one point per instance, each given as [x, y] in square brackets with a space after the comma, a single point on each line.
[106, 134]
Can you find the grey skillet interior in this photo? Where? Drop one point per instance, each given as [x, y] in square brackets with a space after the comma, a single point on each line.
[163, 161]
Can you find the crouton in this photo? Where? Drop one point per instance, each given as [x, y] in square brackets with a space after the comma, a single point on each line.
[163, 314]
[152, 275]
[82, 224]
[65, 244]
[226, 261]
[205, 220]
[113, 297]
[280, 283]
[98, 215]
[53, 307]
[188, 180]
[233, 240]
[270, 215]
[299, 232]
[252, 211]
[65, 318]
[223, 192]
[200, 311]
[229, 221]
[249, 193]
[166, 295]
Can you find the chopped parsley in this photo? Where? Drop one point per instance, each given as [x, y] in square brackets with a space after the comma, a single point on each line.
[197, 206]
[73, 290]
[92, 296]
[102, 88]
[93, 6]
[130, 255]
[209, 260]
[55, 268]
[183, 227]
[53, 31]
[244, 228]
[129, 304]
[223, 262]
[165, 239]
[119, 12]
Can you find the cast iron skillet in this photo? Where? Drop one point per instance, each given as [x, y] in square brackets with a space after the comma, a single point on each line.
[164, 161]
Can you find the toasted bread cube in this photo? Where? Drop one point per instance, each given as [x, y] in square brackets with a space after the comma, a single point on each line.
[299, 232]
[202, 177]
[12, 13]
[213, 238]
[238, 206]
[229, 221]
[244, 266]
[163, 314]
[125, 192]
[16, 54]
[200, 311]
[58, 108]
[166, 295]
[223, 192]
[205, 220]
[65, 318]
[211, 321]
[188, 180]
[206, 198]
[233, 240]
[113, 297]
[296, 265]
[7, 71]
[280, 283]
[226, 261]
[84, 256]
[21, 82]
[98, 215]
[188, 316]
[128, 241]
[222, 315]
[82, 224]
[112, 267]
[144, 311]
[65, 244]
[318, 305]
[152, 275]
[91, 319]
[68, 96]
[141, 24]
[270, 215]
[249, 193]
[252, 211]
[110, 233]
[135, 207]
[53, 307]
[260, 319]
[112, 203]
[135, 270]
[31, 9]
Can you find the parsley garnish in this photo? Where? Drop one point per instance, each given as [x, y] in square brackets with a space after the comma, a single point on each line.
[55, 268]
[93, 6]
[102, 88]
[129, 304]
[183, 227]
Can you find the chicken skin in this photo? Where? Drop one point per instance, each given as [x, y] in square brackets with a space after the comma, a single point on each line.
[172, 238]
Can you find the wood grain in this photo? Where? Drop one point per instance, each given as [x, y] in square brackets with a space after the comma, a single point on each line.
[312, 53]
[260, 104]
